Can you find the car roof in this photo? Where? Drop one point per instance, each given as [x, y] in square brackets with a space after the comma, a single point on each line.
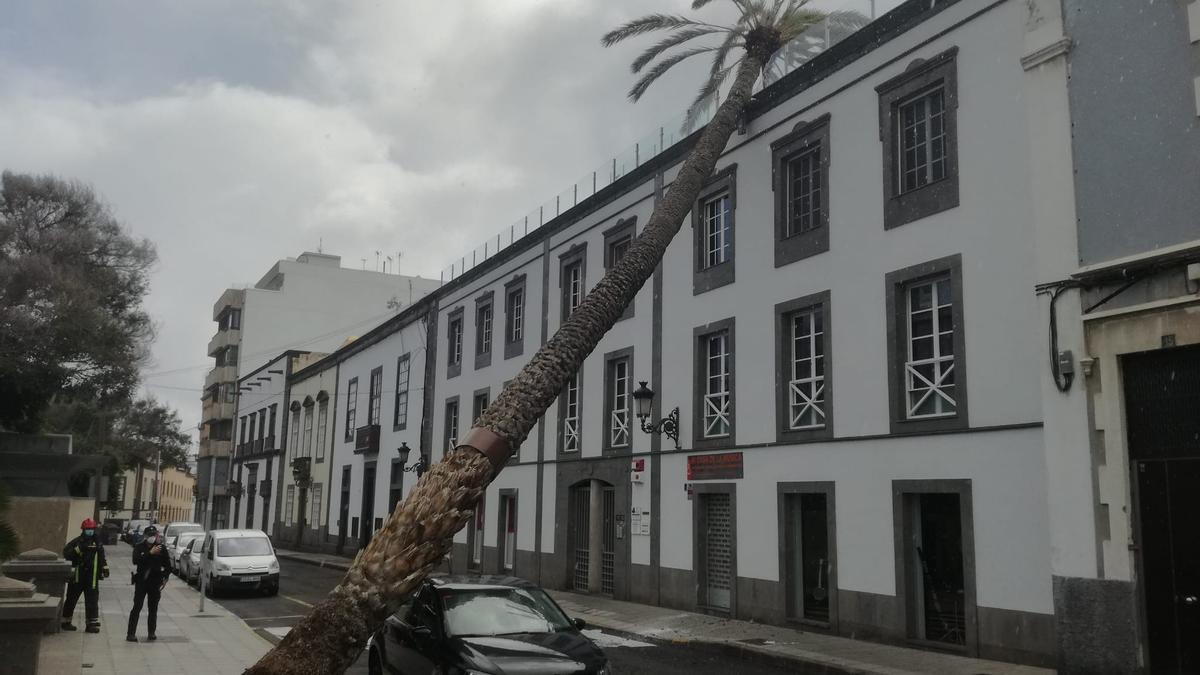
[457, 582]
[229, 534]
[183, 522]
[191, 535]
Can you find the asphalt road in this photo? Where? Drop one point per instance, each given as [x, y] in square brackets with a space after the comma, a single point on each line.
[300, 586]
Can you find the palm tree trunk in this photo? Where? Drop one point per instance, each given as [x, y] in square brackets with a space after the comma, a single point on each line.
[418, 534]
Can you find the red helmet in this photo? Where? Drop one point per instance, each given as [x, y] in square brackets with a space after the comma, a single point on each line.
[88, 524]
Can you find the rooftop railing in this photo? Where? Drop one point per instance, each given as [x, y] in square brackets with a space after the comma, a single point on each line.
[812, 42]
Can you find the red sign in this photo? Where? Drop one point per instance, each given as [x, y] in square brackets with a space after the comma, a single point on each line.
[639, 464]
[725, 465]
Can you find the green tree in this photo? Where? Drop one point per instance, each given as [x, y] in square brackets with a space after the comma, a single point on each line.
[416, 536]
[72, 282]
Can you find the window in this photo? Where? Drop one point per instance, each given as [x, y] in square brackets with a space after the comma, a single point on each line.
[451, 423]
[479, 404]
[713, 400]
[928, 378]
[572, 279]
[514, 316]
[713, 223]
[315, 518]
[262, 423]
[351, 407]
[231, 355]
[242, 430]
[376, 396]
[800, 164]
[230, 393]
[484, 323]
[308, 429]
[917, 117]
[294, 442]
[618, 401]
[253, 421]
[454, 343]
[617, 241]
[322, 424]
[274, 409]
[569, 416]
[400, 415]
[508, 529]
[289, 505]
[574, 288]
[929, 366]
[802, 348]
[235, 320]
[475, 535]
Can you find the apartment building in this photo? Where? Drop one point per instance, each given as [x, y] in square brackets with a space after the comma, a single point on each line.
[926, 350]
[310, 302]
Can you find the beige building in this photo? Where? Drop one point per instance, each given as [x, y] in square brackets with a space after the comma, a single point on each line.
[176, 496]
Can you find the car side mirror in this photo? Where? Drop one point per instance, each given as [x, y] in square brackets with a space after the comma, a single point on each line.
[423, 633]
[579, 623]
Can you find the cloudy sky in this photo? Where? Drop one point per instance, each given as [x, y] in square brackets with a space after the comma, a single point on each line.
[233, 133]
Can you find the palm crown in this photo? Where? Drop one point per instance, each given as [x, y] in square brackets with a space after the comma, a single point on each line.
[761, 29]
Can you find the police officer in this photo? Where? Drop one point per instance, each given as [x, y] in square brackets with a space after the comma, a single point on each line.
[88, 567]
[153, 569]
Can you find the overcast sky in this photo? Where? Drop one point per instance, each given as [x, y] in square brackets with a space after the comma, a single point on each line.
[233, 133]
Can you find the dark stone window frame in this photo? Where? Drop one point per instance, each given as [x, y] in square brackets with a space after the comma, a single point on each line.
[406, 357]
[784, 311]
[483, 357]
[446, 428]
[723, 274]
[457, 314]
[373, 417]
[573, 255]
[514, 348]
[921, 76]
[829, 490]
[562, 410]
[803, 137]
[897, 343]
[625, 228]
[606, 446]
[502, 528]
[699, 383]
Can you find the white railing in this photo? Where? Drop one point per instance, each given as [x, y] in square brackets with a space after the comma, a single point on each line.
[800, 50]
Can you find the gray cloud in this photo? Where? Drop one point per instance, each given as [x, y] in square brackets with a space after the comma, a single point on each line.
[233, 133]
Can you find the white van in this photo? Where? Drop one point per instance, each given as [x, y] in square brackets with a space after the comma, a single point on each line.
[238, 559]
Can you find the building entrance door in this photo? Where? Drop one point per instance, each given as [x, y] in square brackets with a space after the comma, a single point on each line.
[368, 504]
[580, 535]
[1162, 397]
[716, 548]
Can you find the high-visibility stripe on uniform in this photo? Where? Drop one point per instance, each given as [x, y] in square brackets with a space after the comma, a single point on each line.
[95, 567]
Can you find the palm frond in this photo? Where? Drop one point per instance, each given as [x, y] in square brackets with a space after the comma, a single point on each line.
[847, 19]
[795, 20]
[716, 74]
[710, 88]
[676, 39]
[650, 23]
[661, 67]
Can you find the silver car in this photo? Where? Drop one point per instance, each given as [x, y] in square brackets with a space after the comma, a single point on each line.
[189, 561]
[176, 546]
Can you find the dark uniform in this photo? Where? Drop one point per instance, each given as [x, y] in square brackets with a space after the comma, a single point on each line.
[88, 567]
[153, 570]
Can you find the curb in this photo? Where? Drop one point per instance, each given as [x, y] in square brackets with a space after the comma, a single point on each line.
[300, 558]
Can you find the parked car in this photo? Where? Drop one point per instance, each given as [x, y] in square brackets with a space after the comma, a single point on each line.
[485, 625]
[189, 561]
[133, 531]
[176, 546]
[177, 528]
[239, 560]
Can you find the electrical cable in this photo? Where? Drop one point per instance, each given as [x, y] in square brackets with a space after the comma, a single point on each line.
[1061, 380]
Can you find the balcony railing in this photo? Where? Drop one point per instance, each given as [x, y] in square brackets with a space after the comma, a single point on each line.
[366, 439]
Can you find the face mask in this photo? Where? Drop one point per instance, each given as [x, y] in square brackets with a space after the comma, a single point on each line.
[152, 539]
[88, 533]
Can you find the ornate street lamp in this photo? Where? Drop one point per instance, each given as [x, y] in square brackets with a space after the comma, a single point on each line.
[668, 426]
[419, 467]
[301, 471]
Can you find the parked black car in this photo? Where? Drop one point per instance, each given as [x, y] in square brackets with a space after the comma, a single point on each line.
[482, 625]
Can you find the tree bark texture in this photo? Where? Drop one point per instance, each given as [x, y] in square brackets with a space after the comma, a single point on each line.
[419, 533]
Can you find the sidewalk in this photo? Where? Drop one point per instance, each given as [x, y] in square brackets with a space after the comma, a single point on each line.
[188, 641]
[805, 651]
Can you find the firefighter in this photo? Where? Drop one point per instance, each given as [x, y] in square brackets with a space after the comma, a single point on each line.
[88, 567]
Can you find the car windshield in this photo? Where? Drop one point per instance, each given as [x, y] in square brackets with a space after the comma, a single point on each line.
[240, 546]
[501, 611]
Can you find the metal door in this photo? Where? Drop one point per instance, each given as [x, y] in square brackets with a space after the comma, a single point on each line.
[610, 541]
[580, 535]
[717, 529]
[368, 504]
[1162, 397]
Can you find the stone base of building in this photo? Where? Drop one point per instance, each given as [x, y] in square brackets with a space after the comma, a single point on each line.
[1096, 627]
